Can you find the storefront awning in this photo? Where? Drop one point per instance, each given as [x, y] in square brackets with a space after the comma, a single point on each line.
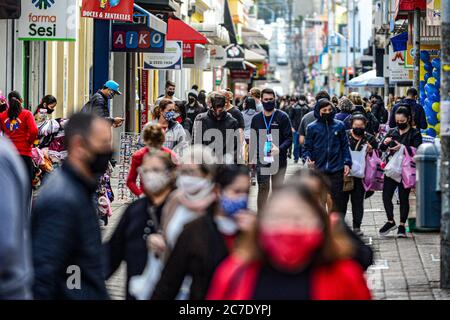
[153, 21]
[178, 30]
[402, 7]
[253, 56]
[217, 34]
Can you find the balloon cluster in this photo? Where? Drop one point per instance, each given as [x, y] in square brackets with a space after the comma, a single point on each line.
[429, 93]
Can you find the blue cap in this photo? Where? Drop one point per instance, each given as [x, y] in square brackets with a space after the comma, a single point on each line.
[114, 86]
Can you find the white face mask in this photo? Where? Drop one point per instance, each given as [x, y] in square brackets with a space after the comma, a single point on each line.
[194, 188]
[155, 182]
[226, 225]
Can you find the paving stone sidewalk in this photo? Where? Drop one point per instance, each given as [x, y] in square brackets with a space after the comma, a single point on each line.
[404, 269]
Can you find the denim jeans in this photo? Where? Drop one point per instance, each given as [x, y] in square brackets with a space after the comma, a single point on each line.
[297, 146]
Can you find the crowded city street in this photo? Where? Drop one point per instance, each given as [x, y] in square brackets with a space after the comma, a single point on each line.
[225, 155]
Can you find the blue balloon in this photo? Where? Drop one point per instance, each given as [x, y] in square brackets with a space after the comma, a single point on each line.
[430, 89]
[432, 119]
[435, 97]
[422, 85]
[437, 73]
[426, 77]
[425, 56]
[436, 63]
[428, 67]
[431, 132]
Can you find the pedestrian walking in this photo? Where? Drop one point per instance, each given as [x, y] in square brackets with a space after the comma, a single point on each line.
[142, 218]
[154, 138]
[164, 115]
[16, 267]
[297, 254]
[18, 124]
[403, 135]
[255, 93]
[169, 93]
[98, 103]
[181, 117]
[202, 99]
[269, 145]
[309, 117]
[248, 113]
[358, 138]
[298, 111]
[373, 125]
[419, 119]
[205, 242]
[378, 108]
[235, 113]
[327, 149]
[67, 244]
[346, 108]
[193, 107]
[219, 130]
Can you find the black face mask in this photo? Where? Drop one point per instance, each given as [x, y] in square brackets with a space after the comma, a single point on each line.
[2, 107]
[359, 131]
[402, 126]
[50, 111]
[326, 117]
[170, 93]
[99, 163]
[269, 106]
[191, 100]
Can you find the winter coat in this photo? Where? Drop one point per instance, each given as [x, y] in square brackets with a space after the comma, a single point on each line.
[380, 112]
[327, 144]
[297, 113]
[98, 105]
[23, 134]
[372, 127]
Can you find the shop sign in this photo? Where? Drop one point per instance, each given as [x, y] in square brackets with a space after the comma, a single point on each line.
[397, 70]
[136, 38]
[434, 50]
[48, 20]
[241, 74]
[218, 56]
[119, 10]
[144, 95]
[188, 53]
[170, 59]
[434, 12]
[235, 53]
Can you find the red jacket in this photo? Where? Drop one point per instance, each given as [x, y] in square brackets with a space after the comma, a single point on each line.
[23, 134]
[136, 162]
[342, 280]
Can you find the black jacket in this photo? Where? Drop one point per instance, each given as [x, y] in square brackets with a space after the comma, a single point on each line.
[227, 127]
[98, 105]
[368, 138]
[380, 112]
[417, 111]
[65, 233]
[412, 138]
[372, 127]
[297, 113]
[193, 112]
[198, 251]
[127, 242]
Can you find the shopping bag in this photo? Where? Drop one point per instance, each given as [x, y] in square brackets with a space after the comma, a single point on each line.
[358, 162]
[142, 286]
[373, 174]
[394, 167]
[409, 169]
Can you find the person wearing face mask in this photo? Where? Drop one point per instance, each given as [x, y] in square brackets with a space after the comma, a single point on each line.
[154, 139]
[269, 145]
[142, 218]
[358, 137]
[98, 103]
[218, 129]
[326, 148]
[3, 103]
[404, 134]
[193, 107]
[169, 93]
[164, 116]
[298, 253]
[17, 123]
[298, 111]
[65, 230]
[206, 241]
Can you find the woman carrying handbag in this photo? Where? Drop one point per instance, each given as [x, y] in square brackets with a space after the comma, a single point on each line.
[404, 136]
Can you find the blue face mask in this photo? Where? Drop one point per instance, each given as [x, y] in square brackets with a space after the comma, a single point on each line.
[169, 115]
[233, 206]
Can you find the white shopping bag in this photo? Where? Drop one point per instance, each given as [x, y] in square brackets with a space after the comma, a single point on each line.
[358, 162]
[142, 286]
[393, 169]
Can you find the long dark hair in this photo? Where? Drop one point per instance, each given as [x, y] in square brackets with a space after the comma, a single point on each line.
[15, 105]
[48, 99]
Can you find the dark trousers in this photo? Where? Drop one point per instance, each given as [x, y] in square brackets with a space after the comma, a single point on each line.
[337, 193]
[264, 184]
[29, 167]
[388, 193]
[297, 146]
[357, 199]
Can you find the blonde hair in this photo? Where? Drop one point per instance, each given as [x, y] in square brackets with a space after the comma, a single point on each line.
[355, 98]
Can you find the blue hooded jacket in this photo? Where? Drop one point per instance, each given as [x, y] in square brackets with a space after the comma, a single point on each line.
[327, 144]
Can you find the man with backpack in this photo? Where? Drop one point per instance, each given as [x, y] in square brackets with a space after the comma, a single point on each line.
[98, 104]
[418, 113]
[296, 114]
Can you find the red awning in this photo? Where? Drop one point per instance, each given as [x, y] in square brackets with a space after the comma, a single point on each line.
[178, 30]
[402, 7]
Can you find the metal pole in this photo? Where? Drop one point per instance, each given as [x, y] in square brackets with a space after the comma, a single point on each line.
[386, 76]
[417, 48]
[445, 143]
[354, 38]
[347, 76]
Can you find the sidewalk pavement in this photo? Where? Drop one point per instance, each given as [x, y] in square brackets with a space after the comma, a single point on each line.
[404, 269]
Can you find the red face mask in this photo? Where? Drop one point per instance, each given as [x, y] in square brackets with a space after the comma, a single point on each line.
[290, 249]
[179, 119]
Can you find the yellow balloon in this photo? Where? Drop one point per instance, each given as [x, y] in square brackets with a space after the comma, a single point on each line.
[437, 128]
[438, 116]
[431, 80]
[436, 106]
